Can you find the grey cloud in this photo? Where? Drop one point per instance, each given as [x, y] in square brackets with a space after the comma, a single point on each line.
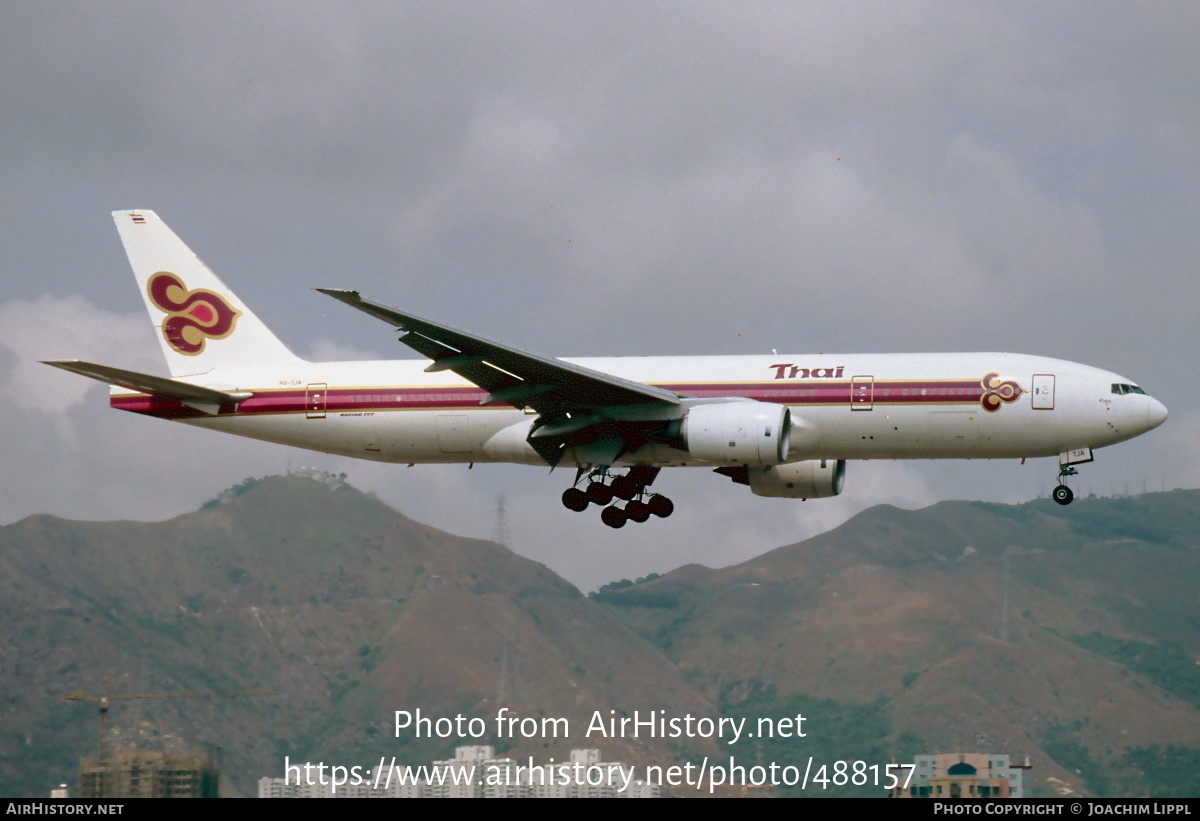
[619, 178]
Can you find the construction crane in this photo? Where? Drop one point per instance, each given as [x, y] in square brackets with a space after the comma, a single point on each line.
[104, 704]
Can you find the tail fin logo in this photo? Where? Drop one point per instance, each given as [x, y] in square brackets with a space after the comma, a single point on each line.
[193, 316]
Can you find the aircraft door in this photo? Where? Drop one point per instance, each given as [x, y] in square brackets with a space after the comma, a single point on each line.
[862, 393]
[454, 433]
[1043, 391]
[315, 397]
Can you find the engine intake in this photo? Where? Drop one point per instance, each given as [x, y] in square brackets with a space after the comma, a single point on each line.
[738, 433]
[816, 479]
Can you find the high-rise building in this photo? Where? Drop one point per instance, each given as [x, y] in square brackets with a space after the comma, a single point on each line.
[149, 774]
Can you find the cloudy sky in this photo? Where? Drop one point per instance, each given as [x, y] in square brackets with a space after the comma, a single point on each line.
[599, 179]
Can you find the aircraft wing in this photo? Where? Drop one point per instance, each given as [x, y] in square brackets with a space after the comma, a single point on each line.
[574, 403]
[509, 374]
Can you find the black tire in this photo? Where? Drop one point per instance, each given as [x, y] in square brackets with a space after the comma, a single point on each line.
[1063, 495]
[637, 511]
[599, 493]
[624, 488]
[575, 499]
[660, 506]
[613, 517]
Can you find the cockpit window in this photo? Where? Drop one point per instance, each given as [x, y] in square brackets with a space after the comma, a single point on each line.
[1116, 388]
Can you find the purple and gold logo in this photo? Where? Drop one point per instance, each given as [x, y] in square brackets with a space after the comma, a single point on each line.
[193, 316]
[790, 371]
[997, 391]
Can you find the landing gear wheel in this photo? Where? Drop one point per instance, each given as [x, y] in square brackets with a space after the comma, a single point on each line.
[624, 488]
[660, 505]
[637, 511]
[613, 516]
[599, 493]
[575, 499]
[1063, 495]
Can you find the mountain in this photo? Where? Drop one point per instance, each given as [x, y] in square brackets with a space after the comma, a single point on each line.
[1067, 634]
[310, 589]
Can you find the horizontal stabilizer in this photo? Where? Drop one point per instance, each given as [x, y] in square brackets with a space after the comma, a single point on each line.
[208, 400]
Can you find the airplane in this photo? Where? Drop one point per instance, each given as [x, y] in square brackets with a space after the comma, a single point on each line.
[785, 426]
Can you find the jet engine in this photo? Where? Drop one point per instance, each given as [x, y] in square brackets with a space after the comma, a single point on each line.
[738, 433]
[815, 479]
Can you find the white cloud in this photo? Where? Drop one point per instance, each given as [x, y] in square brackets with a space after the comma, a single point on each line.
[68, 327]
[328, 350]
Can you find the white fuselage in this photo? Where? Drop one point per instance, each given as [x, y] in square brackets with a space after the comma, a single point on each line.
[783, 425]
[853, 406]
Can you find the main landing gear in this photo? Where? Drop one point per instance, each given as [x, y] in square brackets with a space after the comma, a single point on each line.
[630, 487]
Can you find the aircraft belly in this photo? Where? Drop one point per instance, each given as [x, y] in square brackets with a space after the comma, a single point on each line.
[284, 429]
[440, 436]
[507, 441]
[941, 433]
[387, 436]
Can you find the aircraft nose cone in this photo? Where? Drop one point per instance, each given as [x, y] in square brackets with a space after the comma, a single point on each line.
[1156, 413]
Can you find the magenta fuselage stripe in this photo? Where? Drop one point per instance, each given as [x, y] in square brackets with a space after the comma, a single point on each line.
[344, 400]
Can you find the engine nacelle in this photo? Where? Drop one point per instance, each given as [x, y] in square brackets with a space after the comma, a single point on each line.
[799, 480]
[738, 433]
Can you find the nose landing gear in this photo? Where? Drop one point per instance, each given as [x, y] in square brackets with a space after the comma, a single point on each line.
[1066, 467]
[1062, 494]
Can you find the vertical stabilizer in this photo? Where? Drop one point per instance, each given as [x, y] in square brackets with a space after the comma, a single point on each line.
[201, 325]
